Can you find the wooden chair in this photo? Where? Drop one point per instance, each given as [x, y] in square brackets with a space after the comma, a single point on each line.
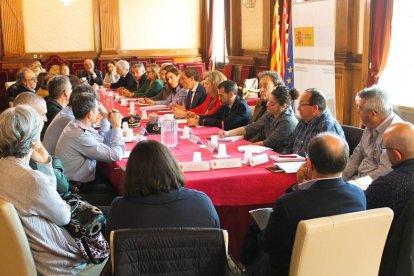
[347, 244]
[15, 255]
[170, 251]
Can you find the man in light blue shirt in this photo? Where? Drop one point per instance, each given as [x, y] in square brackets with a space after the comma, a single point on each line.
[80, 146]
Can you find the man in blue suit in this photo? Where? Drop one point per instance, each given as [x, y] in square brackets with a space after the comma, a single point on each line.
[232, 114]
[196, 92]
[326, 194]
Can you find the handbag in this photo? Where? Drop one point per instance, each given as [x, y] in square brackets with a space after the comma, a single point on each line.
[85, 228]
[86, 219]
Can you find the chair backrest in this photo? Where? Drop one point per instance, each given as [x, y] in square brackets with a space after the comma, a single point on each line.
[172, 251]
[15, 255]
[347, 244]
[8, 84]
[353, 136]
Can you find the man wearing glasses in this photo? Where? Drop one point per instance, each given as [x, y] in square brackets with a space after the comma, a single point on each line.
[368, 159]
[25, 82]
[314, 120]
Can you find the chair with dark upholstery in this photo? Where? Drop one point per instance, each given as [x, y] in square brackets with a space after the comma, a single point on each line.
[169, 251]
[353, 136]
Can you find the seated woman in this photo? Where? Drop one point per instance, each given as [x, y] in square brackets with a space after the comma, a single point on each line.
[111, 75]
[33, 193]
[212, 103]
[176, 93]
[165, 91]
[273, 128]
[154, 195]
[153, 85]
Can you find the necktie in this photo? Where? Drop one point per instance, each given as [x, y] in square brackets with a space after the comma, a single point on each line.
[189, 97]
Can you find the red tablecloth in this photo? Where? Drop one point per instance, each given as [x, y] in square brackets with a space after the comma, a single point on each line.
[233, 191]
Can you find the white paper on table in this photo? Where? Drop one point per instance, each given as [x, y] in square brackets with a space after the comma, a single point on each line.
[229, 138]
[290, 167]
[258, 159]
[252, 148]
[281, 158]
[181, 121]
[126, 154]
[154, 107]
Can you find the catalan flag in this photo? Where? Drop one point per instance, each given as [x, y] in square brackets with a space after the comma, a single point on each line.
[289, 70]
[280, 25]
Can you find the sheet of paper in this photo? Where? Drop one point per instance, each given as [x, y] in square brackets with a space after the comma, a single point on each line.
[154, 107]
[229, 139]
[252, 148]
[287, 158]
[290, 167]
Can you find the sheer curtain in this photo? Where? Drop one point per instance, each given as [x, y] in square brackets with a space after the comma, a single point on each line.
[397, 75]
[217, 51]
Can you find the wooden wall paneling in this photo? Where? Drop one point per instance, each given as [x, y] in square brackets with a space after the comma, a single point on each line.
[109, 28]
[204, 28]
[12, 31]
[235, 28]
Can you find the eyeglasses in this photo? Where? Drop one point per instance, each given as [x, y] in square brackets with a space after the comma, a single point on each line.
[32, 79]
[385, 148]
[305, 104]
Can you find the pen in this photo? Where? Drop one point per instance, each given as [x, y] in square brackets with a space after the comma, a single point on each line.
[222, 125]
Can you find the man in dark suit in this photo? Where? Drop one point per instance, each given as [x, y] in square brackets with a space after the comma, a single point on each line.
[25, 82]
[232, 114]
[326, 194]
[196, 92]
[90, 74]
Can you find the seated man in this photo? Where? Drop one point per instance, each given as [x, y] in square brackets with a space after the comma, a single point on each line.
[26, 81]
[314, 119]
[62, 119]
[375, 111]
[80, 146]
[59, 89]
[272, 129]
[396, 188]
[196, 92]
[326, 194]
[90, 74]
[233, 113]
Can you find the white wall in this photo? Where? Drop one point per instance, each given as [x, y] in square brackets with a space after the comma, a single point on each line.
[51, 27]
[159, 24]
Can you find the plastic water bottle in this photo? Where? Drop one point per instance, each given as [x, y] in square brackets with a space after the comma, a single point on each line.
[169, 128]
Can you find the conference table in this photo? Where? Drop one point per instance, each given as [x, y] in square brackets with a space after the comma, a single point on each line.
[233, 191]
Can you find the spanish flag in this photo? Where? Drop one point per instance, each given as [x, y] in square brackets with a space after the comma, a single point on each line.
[280, 26]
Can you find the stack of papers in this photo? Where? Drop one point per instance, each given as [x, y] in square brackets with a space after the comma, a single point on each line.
[281, 158]
[290, 167]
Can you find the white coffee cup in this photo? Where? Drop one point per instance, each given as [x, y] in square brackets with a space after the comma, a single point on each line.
[197, 156]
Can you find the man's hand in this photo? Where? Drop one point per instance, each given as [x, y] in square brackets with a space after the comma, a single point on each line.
[304, 173]
[115, 119]
[40, 154]
[102, 110]
[192, 122]
[179, 113]
[223, 133]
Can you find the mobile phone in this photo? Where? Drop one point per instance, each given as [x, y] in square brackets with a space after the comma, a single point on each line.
[274, 169]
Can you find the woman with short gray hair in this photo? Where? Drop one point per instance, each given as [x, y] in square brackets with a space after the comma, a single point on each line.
[33, 193]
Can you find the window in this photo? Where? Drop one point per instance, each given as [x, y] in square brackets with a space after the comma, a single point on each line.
[399, 71]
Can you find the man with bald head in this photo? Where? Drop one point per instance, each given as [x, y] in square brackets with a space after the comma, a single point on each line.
[326, 194]
[396, 188]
